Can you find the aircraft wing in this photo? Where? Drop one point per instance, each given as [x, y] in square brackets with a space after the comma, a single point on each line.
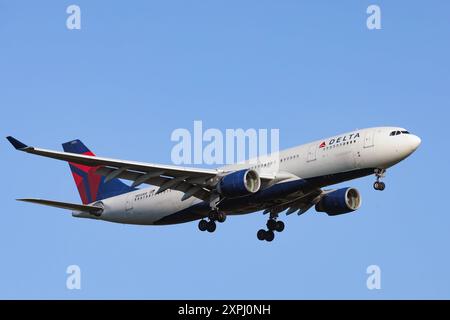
[299, 205]
[192, 181]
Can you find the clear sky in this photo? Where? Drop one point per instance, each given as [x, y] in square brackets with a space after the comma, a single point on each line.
[137, 70]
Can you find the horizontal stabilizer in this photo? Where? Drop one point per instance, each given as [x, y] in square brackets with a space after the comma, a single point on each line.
[16, 143]
[65, 205]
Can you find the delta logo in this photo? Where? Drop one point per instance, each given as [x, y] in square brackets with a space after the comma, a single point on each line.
[341, 139]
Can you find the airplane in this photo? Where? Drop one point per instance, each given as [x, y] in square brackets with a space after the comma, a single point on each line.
[292, 180]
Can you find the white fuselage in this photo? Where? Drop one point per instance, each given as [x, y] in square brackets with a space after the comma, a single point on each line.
[357, 151]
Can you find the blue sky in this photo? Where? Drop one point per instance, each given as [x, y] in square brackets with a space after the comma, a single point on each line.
[138, 70]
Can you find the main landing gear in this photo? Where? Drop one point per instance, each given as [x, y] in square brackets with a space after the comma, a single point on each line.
[272, 226]
[379, 185]
[210, 225]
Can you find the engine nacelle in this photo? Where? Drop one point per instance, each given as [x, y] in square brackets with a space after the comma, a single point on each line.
[339, 202]
[239, 183]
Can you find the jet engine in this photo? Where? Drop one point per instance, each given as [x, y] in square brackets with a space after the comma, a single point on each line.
[239, 183]
[340, 201]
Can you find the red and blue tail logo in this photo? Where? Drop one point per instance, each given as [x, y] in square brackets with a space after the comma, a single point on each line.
[91, 186]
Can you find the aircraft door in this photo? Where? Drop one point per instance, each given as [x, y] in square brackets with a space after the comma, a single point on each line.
[369, 139]
[129, 204]
[312, 153]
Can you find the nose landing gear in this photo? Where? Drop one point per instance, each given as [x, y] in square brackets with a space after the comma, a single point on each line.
[379, 185]
[272, 226]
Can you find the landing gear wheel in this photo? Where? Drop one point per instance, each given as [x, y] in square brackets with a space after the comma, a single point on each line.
[379, 186]
[261, 235]
[271, 224]
[211, 226]
[221, 217]
[279, 226]
[270, 235]
[217, 216]
[203, 225]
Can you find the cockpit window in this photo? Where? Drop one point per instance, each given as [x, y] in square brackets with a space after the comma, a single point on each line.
[396, 133]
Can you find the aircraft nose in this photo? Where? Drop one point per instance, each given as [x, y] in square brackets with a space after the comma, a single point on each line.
[415, 142]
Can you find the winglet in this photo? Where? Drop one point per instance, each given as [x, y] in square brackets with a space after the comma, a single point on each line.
[16, 143]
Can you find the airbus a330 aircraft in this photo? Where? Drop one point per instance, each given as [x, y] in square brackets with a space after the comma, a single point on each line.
[291, 181]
